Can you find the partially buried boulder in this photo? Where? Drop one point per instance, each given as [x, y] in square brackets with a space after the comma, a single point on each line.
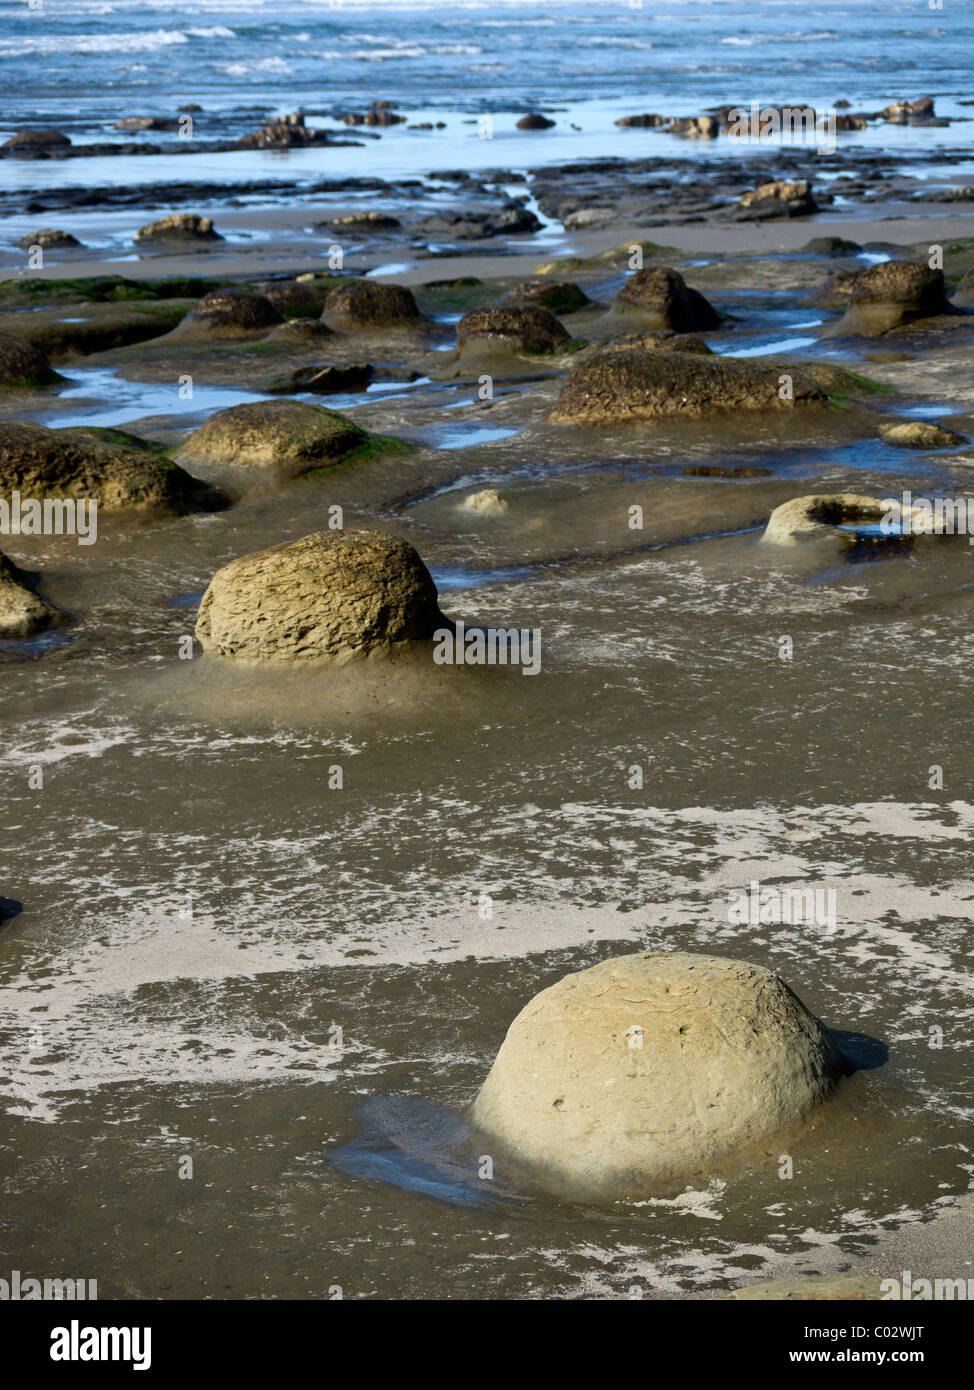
[891, 295]
[362, 305]
[289, 436]
[525, 328]
[663, 299]
[301, 332]
[632, 384]
[324, 378]
[229, 313]
[844, 521]
[23, 366]
[534, 121]
[22, 612]
[324, 597]
[36, 144]
[920, 434]
[181, 228]
[662, 340]
[40, 463]
[649, 1067]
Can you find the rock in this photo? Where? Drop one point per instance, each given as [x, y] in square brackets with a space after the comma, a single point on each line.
[378, 114]
[179, 227]
[647, 119]
[324, 597]
[324, 378]
[917, 112]
[558, 297]
[830, 246]
[781, 198]
[664, 300]
[518, 329]
[292, 299]
[366, 304]
[511, 220]
[589, 217]
[309, 332]
[661, 341]
[368, 221]
[832, 519]
[39, 463]
[36, 144]
[650, 1067]
[22, 612]
[632, 384]
[892, 294]
[147, 123]
[534, 121]
[286, 435]
[813, 1288]
[231, 312]
[851, 123]
[49, 239]
[835, 292]
[706, 126]
[920, 434]
[23, 366]
[488, 501]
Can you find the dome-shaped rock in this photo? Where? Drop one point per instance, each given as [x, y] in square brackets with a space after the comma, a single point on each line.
[365, 304]
[649, 1067]
[23, 366]
[633, 384]
[326, 596]
[664, 300]
[516, 329]
[289, 435]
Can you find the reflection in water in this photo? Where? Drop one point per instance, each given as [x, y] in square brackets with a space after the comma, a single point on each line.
[422, 1147]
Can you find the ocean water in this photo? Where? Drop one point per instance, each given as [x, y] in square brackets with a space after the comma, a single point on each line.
[86, 61]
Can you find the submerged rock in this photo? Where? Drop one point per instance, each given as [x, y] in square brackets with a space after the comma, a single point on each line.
[633, 384]
[518, 329]
[23, 366]
[22, 612]
[892, 294]
[288, 435]
[649, 1067]
[179, 227]
[324, 597]
[230, 312]
[664, 300]
[365, 304]
[40, 463]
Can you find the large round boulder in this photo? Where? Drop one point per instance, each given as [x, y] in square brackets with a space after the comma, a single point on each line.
[290, 436]
[891, 294]
[633, 384]
[663, 299]
[230, 313]
[23, 366]
[526, 328]
[324, 597]
[650, 1067]
[22, 612]
[362, 305]
[39, 463]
